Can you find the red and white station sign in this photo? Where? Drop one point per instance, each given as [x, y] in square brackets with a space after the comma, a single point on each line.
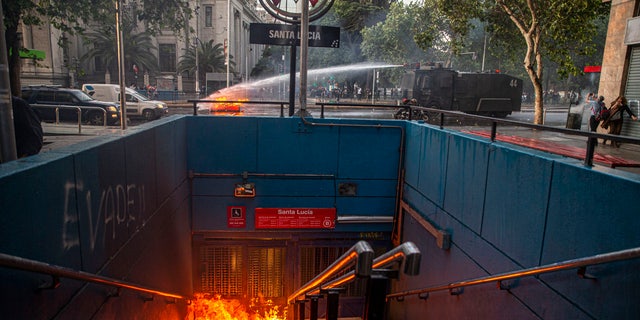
[295, 218]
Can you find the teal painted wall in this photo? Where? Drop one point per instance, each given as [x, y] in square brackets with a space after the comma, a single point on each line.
[295, 166]
[509, 208]
[123, 205]
[116, 206]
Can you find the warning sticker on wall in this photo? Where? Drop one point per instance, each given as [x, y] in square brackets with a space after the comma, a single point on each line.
[295, 218]
[236, 217]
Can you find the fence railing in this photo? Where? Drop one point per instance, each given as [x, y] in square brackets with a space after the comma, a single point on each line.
[78, 109]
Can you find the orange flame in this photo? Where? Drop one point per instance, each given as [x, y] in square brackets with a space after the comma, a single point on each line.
[205, 307]
[228, 106]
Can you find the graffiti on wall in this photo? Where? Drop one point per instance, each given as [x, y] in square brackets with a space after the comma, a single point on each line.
[108, 214]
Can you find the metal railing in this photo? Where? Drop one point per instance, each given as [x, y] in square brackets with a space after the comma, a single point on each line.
[407, 253]
[580, 263]
[79, 110]
[281, 103]
[592, 137]
[57, 272]
[361, 254]
[438, 116]
[357, 105]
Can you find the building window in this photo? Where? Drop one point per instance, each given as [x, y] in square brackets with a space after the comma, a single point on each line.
[208, 16]
[98, 63]
[167, 56]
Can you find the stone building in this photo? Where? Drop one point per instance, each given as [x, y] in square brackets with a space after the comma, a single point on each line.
[621, 61]
[223, 21]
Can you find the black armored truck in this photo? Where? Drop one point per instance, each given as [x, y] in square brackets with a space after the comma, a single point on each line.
[488, 94]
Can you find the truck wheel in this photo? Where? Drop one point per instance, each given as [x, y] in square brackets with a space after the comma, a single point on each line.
[95, 118]
[148, 115]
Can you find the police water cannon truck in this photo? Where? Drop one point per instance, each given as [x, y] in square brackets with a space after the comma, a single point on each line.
[488, 94]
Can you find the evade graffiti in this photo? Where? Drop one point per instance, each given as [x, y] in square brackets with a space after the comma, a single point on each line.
[110, 213]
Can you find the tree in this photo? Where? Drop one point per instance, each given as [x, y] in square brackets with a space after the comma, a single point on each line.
[556, 29]
[138, 49]
[71, 17]
[268, 65]
[211, 58]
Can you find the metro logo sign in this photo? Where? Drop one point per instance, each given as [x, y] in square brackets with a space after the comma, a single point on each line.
[295, 218]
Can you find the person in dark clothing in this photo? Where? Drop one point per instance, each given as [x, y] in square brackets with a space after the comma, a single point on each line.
[595, 106]
[27, 127]
[614, 121]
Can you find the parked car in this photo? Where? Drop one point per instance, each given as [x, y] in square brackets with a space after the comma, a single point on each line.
[138, 106]
[48, 99]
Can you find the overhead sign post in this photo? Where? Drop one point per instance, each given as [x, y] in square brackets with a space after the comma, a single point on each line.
[289, 35]
[299, 13]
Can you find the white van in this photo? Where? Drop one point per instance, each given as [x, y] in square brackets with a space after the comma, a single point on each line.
[138, 106]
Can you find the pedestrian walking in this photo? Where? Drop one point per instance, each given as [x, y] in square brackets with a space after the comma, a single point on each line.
[616, 116]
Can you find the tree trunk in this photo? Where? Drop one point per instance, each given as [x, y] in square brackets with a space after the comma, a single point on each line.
[13, 44]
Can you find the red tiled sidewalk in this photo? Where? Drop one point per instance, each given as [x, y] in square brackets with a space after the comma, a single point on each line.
[561, 149]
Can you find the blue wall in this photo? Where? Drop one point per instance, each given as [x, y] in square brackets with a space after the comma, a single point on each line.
[509, 208]
[294, 166]
[123, 205]
[116, 206]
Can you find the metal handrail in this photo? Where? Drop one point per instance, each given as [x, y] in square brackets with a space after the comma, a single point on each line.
[361, 254]
[19, 263]
[592, 137]
[558, 266]
[407, 252]
[281, 103]
[57, 107]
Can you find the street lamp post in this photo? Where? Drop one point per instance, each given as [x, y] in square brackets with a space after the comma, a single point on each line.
[196, 48]
[228, 44]
[119, 45]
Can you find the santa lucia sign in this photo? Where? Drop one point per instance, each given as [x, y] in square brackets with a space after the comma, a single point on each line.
[289, 35]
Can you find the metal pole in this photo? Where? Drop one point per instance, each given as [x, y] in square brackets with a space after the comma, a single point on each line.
[292, 81]
[484, 49]
[373, 91]
[196, 53]
[227, 60]
[304, 48]
[7, 134]
[119, 45]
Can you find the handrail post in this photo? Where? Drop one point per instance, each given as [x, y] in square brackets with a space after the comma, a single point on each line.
[322, 111]
[333, 302]
[282, 110]
[300, 305]
[195, 107]
[79, 120]
[494, 129]
[313, 313]
[591, 147]
[377, 290]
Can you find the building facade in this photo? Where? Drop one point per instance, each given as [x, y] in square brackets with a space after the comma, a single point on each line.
[223, 21]
[621, 60]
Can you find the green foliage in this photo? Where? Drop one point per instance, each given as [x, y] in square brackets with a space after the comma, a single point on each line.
[211, 58]
[138, 49]
[71, 17]
[268, 65]
[349, 51]
[355, 15]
